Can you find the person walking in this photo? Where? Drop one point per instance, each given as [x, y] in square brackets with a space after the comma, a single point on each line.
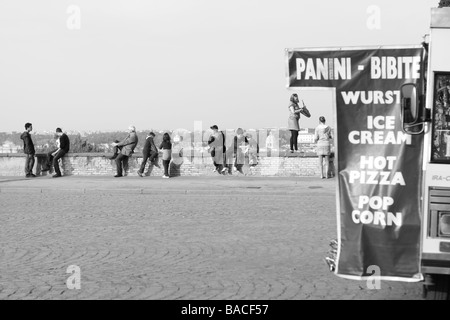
[237, 151]
[166, 148]
[149, 153]
[217, 148]
[323, 136]
[63, 147]
[28, 149]
[127, 149]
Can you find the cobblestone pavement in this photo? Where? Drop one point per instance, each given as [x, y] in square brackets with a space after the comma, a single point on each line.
[184, 238]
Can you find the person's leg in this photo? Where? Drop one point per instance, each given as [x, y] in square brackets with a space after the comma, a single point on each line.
[31, 164]
[116, 151]
[58, 156]
[326, 165]
[321, 166]
[119, 160]
[239, 163]
[295, 140]
[27, 164]
[143, 164]
[48, 161]
[291, 141]
[125, 164]
[166, 167]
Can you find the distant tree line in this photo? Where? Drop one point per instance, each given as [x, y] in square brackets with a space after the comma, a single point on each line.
[100, 142]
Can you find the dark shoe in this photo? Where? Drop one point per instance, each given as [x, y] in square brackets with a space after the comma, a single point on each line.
[32, 176]
[28, 176]
[118, 176]
[139, 174]
[57, 176]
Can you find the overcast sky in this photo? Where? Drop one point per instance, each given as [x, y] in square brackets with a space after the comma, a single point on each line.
[165, 64]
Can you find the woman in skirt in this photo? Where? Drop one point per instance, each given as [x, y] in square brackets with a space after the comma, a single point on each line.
[323, 137]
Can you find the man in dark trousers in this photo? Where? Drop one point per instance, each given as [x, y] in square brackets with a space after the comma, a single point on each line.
[150, 152]
[63, 144]
[28, 149]
[216, 143]
[128, 145]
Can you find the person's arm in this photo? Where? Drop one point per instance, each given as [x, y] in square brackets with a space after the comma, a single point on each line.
[58, 143]
[124, 142]
[292, 109]
[147, 146]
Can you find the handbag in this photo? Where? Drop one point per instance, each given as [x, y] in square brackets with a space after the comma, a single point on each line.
[305, 111]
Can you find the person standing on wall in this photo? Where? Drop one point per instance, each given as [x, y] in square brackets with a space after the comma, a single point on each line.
[128, 145]
[323, 136]
[28, 149]
[63, 145]
[293, 120]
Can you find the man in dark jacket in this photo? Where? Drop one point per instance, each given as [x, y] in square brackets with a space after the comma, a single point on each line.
[128, 145]
[28, 149]
[150, 152]
[54, 155]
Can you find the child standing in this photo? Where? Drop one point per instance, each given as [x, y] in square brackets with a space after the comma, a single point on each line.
[166, 147]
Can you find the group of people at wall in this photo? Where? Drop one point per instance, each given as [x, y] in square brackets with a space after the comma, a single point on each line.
[322, 135]
[62, 147]
[125, 148]
[243, 149]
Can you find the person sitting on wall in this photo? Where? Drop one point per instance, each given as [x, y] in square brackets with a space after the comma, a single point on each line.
[63, 146]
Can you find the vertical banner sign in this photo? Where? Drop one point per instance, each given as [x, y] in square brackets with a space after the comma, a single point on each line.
[379, 167]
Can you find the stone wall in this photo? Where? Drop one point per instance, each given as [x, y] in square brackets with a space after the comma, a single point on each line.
[91, 164]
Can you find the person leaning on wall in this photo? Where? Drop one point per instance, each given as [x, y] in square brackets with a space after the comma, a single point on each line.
[127, 149]
[63, 147]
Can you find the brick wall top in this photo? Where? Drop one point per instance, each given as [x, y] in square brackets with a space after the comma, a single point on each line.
[139, 155]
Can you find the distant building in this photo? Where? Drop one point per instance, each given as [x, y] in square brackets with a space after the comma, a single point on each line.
[9, 147]
[306, 136]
